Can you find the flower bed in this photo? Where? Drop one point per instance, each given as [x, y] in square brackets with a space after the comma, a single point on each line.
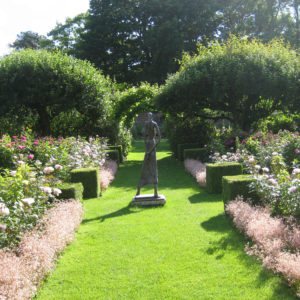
[197, 170]
[276, 240]
[274, 162]
[23, 269]
[31, 169]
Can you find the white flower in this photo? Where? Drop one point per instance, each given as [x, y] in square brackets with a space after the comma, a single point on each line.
[4, 210]
[13, 173]
[275, 153]
[265, 170]
[2, 227]
[257, 167]
[38, 162]
[58, 167]
[46, 189]
[25, 182]
[273, 181]
[56, 192]
[20, 162]
[32, 179]
[224, 156]
[48, 170]
[28, 201]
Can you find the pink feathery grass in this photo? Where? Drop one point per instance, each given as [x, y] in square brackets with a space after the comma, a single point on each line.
[23, 269]
[197, 169]
[107, 173]
[276, 241]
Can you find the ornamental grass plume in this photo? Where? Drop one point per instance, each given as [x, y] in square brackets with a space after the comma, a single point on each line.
[23, 269]
[197, 169]
[107, 173]
[276, 240]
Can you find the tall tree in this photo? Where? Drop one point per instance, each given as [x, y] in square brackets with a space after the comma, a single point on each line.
[29, 40]
[139, 40]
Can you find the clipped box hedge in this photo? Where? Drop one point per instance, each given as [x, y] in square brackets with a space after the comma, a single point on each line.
[181, 147]
[113, 155]
[119, 148]
[89, 177]
[197, 153]
[236, 185]
[71, 191]
[215, 172]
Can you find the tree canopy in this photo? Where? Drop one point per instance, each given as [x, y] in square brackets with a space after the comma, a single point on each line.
[47, 84]
[240, 80]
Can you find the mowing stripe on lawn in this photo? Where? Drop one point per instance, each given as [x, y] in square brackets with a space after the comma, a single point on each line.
[187, 249]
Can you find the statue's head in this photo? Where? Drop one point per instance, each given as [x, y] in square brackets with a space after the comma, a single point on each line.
[150, 116]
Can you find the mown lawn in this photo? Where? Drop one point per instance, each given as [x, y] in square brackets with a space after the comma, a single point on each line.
[187, 249]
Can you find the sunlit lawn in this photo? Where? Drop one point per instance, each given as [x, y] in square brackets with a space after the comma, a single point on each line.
[184, 250]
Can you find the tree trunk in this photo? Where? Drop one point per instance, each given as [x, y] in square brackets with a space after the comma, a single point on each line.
[44, 120]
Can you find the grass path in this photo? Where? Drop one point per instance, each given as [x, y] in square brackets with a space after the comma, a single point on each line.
[185, 250]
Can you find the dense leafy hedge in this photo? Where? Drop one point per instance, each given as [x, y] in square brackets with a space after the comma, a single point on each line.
[64, 95]
[240, 80]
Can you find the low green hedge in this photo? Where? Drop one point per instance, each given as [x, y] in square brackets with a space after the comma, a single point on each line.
[181, 147]
[71, 191]
[201, 154]
[119, 148]
[215, 172]
[89, 177]
[237, 185]
[113, 155]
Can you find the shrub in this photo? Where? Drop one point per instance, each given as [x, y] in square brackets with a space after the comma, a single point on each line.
[71, 191]
[215, 172]
[233, 186]
[191, 131]
[181, 147]
[113, 155]
[119, 149]
[89, 177]
[54, 87]
[201, 154]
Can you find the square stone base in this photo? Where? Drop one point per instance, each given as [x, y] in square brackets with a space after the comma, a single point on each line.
[148, 200]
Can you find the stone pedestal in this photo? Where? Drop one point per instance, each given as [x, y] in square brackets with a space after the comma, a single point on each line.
[148, 200]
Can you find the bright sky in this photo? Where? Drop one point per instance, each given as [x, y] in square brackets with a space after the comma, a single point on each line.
[36, 15]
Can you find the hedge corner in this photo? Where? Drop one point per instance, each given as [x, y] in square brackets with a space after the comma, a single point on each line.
[215, 172]
[90, 179]
[71, 191]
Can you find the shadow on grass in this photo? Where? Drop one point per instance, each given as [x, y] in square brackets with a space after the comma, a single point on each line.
[203, 196]
[233, 240]
[118, 213]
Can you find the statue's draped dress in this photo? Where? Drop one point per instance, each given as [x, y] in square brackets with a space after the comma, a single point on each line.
[149, 173]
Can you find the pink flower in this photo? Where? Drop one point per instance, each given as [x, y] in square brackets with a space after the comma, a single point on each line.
[21, 147]
[296, 171]
[273, 181]
[292, 189]
[30, 156]
[297, 151]
[58, 167]
[4, 210]
[15, 137]
[36, 143]
[48, 170]
[46, 189]
[56, 192]
[8, 145]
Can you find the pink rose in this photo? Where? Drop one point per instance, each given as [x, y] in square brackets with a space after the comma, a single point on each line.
[30, 156]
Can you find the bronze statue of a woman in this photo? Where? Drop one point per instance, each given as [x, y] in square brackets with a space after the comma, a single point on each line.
[149, 173]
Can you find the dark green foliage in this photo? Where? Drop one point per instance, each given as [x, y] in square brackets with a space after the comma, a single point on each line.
[113, 155]
[201, 154]
[279, 121]
[188, 131]
[215, 172]
[239, 80]
[232, 186]
[120, 151]
[71, 191]
[136, 41]
[181, 147]
[89, 177]
[55, 87]
[6, 161]
[134, 101]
